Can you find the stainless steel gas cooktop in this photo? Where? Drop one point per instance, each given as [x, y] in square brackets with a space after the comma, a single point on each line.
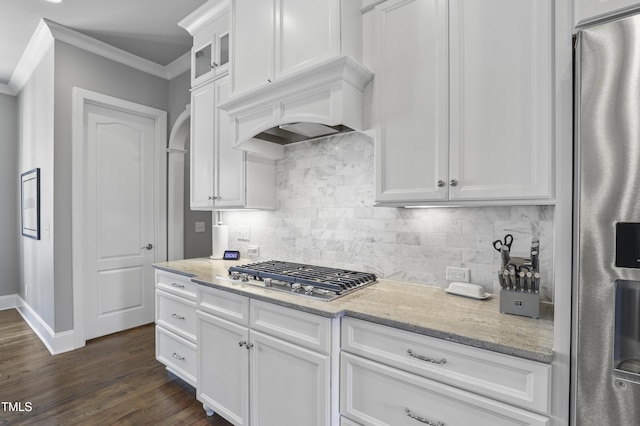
[316, 282]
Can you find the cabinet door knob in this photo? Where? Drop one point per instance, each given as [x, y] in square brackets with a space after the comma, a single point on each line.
[441, 183]
[454, 182]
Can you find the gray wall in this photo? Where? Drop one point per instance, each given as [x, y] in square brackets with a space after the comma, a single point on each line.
[45, 135]
[74, 67]
[36, 129]
[9, 186]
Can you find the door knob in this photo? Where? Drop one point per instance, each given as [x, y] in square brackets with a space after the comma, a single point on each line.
[147, 247]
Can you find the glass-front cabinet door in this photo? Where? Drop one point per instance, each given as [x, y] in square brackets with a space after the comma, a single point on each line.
[210, 53]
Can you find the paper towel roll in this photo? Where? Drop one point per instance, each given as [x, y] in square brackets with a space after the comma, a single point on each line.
[219, 240]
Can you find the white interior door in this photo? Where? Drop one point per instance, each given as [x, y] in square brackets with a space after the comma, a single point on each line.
[119, 219]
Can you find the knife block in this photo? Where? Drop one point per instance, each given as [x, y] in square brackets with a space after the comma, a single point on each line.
[522, 303]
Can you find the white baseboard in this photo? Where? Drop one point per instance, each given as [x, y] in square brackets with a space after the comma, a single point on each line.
[56, 343]
[8, 302]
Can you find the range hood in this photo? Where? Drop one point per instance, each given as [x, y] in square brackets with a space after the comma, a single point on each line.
[320, 101]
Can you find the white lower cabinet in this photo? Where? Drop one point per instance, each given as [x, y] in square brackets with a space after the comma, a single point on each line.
[395, 377]
[223, 384]
[176, 339]
[376, 394]
[257, 366]
[290, 385]
[177, 354]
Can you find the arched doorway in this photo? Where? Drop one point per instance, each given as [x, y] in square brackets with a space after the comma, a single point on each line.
[175, 188]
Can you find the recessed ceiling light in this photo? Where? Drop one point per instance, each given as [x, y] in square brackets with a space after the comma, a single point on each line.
[54, 1]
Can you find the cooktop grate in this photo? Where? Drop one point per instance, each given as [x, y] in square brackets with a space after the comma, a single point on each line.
[337, 280]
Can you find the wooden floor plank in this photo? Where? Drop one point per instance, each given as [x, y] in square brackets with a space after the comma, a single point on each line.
[113, 380]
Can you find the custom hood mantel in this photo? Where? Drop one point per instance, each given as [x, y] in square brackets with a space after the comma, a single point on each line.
[320, 101]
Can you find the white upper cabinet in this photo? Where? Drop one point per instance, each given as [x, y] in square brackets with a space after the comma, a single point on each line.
[501, 107]
[210, 52]
[588, 10]
[242, 180]
[275, 38]
[463, 101]
[209, 26]
[201, 147]
[222, 177]
[412, 100]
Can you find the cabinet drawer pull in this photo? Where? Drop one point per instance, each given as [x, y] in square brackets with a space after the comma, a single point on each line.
[177, 285]
[427, 359]
[242, 343]
[176, 316]
[178, 357]
[409, 413]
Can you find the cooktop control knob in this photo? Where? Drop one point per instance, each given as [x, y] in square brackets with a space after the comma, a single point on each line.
[296, 287]
[308, 289]
[268, 282]
[244, 278]
[235, 275]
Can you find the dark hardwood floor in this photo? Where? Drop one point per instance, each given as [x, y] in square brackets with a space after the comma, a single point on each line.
[112, 380]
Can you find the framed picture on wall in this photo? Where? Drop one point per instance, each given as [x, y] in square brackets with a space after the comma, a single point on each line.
[30, 203]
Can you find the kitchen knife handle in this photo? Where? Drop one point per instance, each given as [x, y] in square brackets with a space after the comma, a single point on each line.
[426, 359]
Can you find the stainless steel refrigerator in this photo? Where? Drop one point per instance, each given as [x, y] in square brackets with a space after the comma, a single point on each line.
[606, 278]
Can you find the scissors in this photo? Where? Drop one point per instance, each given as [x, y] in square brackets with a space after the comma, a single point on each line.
[508, 240]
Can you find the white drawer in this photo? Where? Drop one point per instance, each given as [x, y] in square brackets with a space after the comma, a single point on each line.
[230, 306]
[375, 394]
[177, 284]
[513, 380]
[176, 314]
[178, 354]
[301, 328]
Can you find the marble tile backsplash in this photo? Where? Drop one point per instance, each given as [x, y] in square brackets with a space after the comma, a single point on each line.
[325, 216]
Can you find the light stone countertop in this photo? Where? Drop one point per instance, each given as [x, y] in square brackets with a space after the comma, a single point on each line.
[413, 307]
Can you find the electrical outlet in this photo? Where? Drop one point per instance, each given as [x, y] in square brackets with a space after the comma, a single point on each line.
[253, 252]
[457, 274]
[244, 234]
[199, 226]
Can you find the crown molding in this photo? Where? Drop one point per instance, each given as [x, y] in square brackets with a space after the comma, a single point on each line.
[48, 31]
[204, 15]
[6, 90]
[39, 44]
[90, 44]
[179, 66]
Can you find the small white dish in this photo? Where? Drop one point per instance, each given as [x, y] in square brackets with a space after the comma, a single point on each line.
[473, 291]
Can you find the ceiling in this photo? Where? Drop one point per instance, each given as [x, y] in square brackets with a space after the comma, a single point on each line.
[146, 28]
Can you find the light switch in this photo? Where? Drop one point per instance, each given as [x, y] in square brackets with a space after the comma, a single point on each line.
[199, 226]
